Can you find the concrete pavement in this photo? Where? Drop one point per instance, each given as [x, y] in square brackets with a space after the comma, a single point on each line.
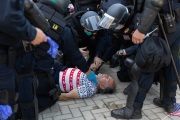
[99, 106]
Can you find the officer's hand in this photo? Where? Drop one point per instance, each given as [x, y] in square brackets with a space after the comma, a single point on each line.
[84, 51]
[53, 50]
[93, 67]
[137, 37]
[40, 37]
[98, 61]
[121, 52]
[5, 112]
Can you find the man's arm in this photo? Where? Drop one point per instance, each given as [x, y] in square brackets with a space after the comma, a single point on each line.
[150, 12]
[73, 94]
[13, 21]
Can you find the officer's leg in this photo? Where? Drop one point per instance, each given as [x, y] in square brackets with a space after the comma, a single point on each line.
[47, 92]
[27, 84]
[170, 84]
[127, 111]
[144, 83]
[170, 79]
[7, 84]
[7, 88]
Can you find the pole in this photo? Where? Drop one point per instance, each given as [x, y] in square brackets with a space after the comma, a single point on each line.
[172, 59]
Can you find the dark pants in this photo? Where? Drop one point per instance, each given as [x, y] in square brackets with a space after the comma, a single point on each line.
[170, 79]
[107, 45]
[27, 84]
[43, 68]
[7, 81]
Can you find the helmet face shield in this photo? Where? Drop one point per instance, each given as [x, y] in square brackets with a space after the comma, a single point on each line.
[106, 21]
[91, 23]
[115, 15]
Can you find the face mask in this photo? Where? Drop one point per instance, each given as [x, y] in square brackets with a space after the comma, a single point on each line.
[88, 33]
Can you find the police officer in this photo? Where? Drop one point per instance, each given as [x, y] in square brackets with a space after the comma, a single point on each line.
[14, 28]
[151, 9]
[108, 41]
[86, 32]
[65, 36]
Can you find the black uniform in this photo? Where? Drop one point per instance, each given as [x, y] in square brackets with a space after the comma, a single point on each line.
[65, 36]
[14, 28]
[84, 39]
[149, 18]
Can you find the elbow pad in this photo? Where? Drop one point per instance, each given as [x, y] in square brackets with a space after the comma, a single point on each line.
[35, 16]
[150, 12]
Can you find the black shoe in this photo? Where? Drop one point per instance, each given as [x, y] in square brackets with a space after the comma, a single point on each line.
[159, 103]
[122, 113]
[137, 114]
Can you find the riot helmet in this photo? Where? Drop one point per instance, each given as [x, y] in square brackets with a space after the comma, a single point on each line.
[59, 5]
[116, 14]
[89, 20]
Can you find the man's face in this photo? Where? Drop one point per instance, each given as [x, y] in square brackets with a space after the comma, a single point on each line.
[105, 80]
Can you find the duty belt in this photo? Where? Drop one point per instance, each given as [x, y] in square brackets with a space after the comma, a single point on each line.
[9, 57]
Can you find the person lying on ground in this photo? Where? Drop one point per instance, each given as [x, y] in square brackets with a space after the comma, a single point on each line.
[74, 84]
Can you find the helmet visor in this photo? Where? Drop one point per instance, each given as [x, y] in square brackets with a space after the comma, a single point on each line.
[106, 21]
[91, 23]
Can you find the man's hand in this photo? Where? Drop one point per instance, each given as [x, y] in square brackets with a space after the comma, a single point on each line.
[84, 51]
[137, 37]
[40, 37]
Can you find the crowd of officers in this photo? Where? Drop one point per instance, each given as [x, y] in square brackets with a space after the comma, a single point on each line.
[26, 68]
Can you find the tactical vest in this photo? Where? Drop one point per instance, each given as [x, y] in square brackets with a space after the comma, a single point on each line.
[86, 5]
[56, 21]
[57, 24]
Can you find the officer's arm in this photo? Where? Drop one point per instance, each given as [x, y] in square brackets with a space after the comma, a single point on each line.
[13, 21]
[35, 16]
[151, 9]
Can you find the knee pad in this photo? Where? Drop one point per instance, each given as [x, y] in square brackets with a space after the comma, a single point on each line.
[135, 71]
[129, 62]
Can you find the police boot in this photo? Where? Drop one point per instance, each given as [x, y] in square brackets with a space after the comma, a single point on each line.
[137, 114]
[122, 113]
[159, 103]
